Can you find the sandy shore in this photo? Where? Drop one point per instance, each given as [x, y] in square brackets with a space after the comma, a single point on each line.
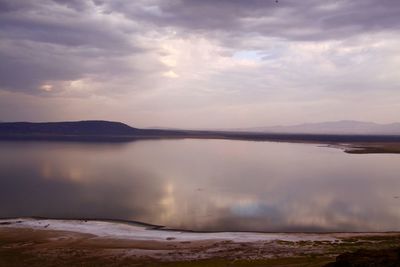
[42, 242]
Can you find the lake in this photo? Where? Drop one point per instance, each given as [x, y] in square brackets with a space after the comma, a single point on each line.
[204, 185]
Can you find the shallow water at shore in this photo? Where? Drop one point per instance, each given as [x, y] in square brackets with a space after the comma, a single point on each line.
[43, 242]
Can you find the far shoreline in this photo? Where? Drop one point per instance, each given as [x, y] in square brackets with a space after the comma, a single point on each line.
[352, 144]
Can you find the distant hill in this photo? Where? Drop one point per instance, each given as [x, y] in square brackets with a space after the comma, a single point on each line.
[91, 130]
[333, 127]
[68, 128]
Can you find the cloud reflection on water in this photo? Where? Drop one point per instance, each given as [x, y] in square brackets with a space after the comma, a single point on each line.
[203, 185]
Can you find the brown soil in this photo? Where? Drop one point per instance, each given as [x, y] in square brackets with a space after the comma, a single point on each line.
[34, 248]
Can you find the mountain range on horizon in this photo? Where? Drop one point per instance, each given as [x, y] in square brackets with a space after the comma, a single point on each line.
[330, 127]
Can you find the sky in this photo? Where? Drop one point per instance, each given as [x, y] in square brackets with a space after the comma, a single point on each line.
[200, 63]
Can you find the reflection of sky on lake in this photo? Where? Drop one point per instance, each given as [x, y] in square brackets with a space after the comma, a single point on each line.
[203, 184]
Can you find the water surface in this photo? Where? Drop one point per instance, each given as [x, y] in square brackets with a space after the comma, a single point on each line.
[207, 185]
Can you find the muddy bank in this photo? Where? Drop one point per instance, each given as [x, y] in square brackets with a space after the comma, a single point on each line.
[373, 148]
[31, 242]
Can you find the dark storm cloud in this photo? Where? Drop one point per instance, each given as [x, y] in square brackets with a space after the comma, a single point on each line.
[57, 41]
[23, 72]
[290, 19]
[64, 23]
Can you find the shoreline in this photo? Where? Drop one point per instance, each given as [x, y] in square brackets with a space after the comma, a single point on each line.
[96, 241]
[351, 144]
[138, 231]
[4, 221]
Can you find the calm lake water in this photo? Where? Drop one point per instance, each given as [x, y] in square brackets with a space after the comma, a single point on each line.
[203, 184]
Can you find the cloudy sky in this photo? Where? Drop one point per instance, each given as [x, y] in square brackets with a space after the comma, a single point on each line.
[200, 63]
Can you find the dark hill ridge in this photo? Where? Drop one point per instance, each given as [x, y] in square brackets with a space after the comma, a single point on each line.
[86, 131]
[68, 128]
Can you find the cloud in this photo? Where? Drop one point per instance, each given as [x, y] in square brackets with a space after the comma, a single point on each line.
[154, 59]
[288, 19]
[48, 43]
